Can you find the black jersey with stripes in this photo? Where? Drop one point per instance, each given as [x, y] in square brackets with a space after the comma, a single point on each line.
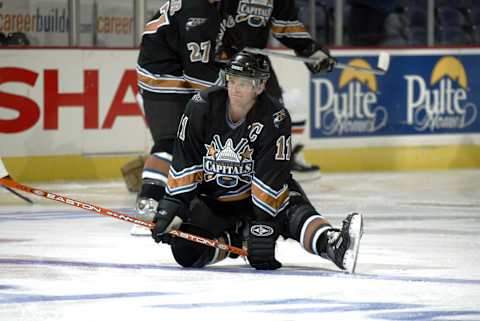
[248, 23]
[177, 48]
[228, 162]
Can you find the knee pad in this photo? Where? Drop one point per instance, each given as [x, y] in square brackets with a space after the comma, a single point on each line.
[305, 225]
[196, 255]
[192, 254]
[298, 212]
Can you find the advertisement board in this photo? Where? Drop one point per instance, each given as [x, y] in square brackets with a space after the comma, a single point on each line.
[106, 23]
[52, 106]
[421, 94]
[78, 108]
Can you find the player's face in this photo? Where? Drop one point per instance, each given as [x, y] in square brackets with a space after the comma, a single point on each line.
[242, 94]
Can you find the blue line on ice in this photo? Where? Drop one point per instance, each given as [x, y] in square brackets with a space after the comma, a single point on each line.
[282, 272]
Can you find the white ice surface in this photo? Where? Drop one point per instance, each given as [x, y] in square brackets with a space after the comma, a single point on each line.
[419, 259]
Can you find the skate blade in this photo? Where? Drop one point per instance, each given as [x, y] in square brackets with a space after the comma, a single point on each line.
[356, 232]
[138, 230]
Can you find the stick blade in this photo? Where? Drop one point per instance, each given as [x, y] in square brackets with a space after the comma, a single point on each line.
[383, 61]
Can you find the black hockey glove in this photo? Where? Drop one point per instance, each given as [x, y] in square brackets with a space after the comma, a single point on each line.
[261, 245]
[170, 215]
[325, 61]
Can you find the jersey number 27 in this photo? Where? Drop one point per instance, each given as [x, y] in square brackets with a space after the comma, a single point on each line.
[199, 52]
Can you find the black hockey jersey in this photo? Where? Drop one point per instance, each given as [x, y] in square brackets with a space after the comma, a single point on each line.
[247, 23]
[178, 48]
[231, 162]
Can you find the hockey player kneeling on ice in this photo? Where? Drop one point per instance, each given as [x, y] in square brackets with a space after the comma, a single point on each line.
[230, 179]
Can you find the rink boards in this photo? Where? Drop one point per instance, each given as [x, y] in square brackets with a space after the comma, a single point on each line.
[77, 120]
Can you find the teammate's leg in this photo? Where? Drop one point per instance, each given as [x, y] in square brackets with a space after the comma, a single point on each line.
[163, 113]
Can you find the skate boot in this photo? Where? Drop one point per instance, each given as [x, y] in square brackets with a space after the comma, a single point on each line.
[301, 170]
[343, 244]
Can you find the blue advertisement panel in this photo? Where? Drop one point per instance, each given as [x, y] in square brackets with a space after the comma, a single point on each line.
[420, 94]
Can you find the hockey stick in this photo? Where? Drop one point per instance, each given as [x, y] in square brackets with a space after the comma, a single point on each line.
[381, 69]
[26, 199]
[9, 182]
[3, 173]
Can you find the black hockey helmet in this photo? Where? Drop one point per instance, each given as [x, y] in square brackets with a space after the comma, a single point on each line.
[249, 65]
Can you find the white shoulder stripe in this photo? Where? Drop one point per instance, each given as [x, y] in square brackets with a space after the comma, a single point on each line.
[267, 189]
[181, 190]
[267, 208]
[185, 171]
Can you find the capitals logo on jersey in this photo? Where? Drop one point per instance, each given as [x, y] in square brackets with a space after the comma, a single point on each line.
[256, 12]
[228, 164]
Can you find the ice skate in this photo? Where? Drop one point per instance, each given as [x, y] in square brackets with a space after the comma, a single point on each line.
[301, 170]
[343, 244]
